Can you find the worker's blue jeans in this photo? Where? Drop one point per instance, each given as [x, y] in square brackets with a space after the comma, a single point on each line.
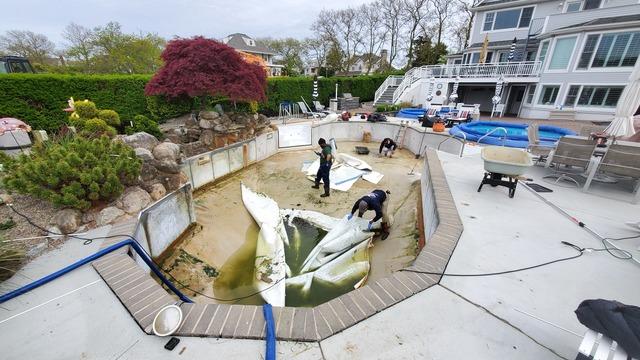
[323, 173]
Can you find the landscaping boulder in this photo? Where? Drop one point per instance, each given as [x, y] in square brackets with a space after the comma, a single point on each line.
[148, 171]
[157, 191]
[191, 121]
[67, 220]
[167, 166]
[206, 124]
[207, 137]
[167, 151]
[209, 115]
[143, 154]
[5, 199]
[133, 200]
[108, 215]
[192, 135]
[141, 140]
[173, 182]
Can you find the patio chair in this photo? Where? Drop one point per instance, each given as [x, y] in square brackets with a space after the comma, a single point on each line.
[622, 161]
[458, 117]
[570, 152]
[598, 346]
[541, 152]
[308, 113]
[318, 106]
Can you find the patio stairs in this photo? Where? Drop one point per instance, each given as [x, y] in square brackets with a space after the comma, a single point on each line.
[562, 115]
[387, 96]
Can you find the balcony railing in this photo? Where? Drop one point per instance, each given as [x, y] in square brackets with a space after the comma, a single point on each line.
[507, 70]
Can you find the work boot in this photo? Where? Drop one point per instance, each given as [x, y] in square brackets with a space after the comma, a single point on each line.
[326, 194]
[384, 235]
[315, 186]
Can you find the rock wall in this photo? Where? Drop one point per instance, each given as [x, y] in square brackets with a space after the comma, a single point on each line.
[214, 130]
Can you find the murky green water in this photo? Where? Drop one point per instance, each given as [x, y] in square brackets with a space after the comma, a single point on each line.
[236, 275]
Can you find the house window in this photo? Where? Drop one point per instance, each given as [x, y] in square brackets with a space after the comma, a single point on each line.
[508, 19]
[587, 52]
[549, 94]
[475, 58]
[574, 6]
[572, 95]
[503, 57]
[457, 62]
[562, 53]
[613, 50]
[543, 52]
[532, 91]
[600, 96]
[591, 4]
[488, 57]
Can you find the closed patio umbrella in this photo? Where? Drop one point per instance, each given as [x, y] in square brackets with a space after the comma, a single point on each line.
[512, 50]
[622, 124]
[484, 50]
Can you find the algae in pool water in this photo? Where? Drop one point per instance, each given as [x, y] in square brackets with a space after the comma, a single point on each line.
[236, 276]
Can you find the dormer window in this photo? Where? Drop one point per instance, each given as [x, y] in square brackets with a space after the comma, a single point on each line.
[249, 42]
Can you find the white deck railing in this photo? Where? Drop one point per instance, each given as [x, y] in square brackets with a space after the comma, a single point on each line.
[393, 80]
[513, 69]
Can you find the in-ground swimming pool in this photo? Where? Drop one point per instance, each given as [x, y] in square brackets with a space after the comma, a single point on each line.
[516, 133]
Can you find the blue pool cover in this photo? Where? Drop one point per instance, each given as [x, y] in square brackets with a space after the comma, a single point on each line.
[516, 133]
[410, 113]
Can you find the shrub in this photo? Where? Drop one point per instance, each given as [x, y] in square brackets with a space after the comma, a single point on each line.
[86, 109]
[75, 172]
[110, 117]
[143, 123]
[405, 104]
[97, 127]
[39, 98]
[161, 109]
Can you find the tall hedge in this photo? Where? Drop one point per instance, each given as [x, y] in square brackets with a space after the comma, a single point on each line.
[39, 98]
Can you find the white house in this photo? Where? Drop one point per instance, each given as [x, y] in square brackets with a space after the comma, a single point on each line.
[244, 43]
[360, 64]
[572, 59]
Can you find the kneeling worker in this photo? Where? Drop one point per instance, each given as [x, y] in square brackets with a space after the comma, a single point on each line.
[377, 201]
[387, 146]
[326, 160]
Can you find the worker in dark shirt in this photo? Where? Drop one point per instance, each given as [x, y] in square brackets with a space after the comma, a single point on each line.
[326, 160]
[387, 147]
[377, 201]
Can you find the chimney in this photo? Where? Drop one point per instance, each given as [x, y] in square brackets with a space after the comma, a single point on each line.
[384, 54]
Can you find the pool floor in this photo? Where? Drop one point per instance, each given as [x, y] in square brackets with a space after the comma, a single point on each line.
[217, 257]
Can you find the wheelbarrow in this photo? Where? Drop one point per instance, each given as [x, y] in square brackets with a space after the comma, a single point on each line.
[503, 166]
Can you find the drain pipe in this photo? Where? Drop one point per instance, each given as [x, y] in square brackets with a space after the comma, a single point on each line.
[129, 242]
[267, 311]
[580, 223]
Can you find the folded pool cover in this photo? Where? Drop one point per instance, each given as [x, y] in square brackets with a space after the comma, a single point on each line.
[516, 133]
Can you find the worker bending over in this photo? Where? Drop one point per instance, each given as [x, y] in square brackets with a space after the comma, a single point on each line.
[377, 201]
[387, 146]
[326, 160]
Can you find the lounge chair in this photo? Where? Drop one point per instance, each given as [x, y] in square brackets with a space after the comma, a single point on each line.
[457, 117]
[541, 152]
[619, 160]
[598, 346]
[308, 113]
[319, 107]
[570, 152]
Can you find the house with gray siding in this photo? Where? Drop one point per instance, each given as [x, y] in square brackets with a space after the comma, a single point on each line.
[567, 59]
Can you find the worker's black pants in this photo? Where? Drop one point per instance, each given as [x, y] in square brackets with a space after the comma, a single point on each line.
[323, 173]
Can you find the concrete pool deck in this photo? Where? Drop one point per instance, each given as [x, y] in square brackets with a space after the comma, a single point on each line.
[479, 318]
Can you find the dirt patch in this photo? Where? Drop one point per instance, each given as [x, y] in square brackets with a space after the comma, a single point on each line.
[229, 233]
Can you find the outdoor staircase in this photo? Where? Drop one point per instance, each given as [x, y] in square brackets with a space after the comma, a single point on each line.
[562, 115]
[387, 96]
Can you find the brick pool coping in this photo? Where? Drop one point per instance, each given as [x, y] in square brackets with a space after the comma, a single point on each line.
[143, 296]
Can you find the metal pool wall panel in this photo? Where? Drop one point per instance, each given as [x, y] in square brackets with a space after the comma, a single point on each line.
[236, 158]
[167, 219]
[429, 209]
[220, 163]
[201, 170]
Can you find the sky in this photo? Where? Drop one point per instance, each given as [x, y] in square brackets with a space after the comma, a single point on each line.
[169, 18]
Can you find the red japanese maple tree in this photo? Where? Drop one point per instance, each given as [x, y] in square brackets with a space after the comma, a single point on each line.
[199, 67]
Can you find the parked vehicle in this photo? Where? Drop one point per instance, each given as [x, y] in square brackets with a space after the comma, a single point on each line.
[15, 64]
